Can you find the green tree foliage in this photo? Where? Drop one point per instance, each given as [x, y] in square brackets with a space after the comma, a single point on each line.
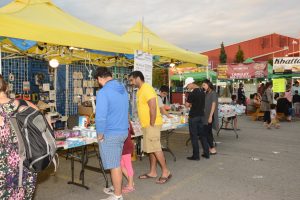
[223, 55]
[239, 57]
[160, 77]
[270, 62]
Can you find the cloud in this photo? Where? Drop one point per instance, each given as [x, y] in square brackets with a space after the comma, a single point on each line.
[191, 24]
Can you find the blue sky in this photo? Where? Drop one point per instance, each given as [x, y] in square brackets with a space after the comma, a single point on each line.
[196, 25]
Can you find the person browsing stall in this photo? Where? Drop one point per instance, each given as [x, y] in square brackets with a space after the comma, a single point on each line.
[151, 122]
[111, 126]
[196, 103]
[163, 92]
[211, 119]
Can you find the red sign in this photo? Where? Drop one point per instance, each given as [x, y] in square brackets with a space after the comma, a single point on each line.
[246, 71]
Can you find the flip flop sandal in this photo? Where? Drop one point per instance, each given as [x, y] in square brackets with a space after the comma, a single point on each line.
[163, 180]
[126, 190]
[146, 176]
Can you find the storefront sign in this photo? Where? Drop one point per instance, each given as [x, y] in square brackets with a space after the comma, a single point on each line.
[144, 62]
[243, 71]
[279, 85]
[222, 71]
[286, 65]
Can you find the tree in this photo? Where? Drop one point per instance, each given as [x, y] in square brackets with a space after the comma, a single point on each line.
[159, 77]
[239, 57]
[223, 56]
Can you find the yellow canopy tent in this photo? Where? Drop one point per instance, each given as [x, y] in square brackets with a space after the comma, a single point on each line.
[42, 21]
[156, 46]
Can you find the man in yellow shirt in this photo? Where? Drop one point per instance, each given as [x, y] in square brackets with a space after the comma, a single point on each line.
[151, 122]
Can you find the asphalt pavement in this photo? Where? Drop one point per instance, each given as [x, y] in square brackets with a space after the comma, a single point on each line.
[261, 164]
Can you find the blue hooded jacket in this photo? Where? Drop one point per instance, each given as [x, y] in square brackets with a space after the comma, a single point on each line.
[112, 109]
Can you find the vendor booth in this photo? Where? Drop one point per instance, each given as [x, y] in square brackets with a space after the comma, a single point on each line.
[48, 57]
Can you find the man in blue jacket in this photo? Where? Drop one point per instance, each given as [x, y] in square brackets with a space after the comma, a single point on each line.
[111, 126]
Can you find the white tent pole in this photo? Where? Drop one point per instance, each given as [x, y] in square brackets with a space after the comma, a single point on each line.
[142, 42]
[0, 59]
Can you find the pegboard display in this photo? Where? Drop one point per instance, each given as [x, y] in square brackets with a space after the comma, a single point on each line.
[61, 90]
[25, 69]
[38, 67]
[74, 83]
[15, 72]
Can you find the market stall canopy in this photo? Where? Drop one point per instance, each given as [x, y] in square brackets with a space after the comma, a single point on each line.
[43, 21]
[198, 76]
[155, 45]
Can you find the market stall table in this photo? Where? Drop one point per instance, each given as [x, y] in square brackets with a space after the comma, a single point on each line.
[72, 144]
[229, 114]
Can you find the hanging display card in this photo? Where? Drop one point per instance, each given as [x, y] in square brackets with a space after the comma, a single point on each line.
[26, 86]
[144, 62]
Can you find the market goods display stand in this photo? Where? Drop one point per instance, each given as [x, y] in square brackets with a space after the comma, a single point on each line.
[227, 114]
[73, 145]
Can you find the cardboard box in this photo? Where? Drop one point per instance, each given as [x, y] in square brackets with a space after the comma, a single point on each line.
[83, 110]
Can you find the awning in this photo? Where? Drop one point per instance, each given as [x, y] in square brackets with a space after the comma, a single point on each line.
[198, 76]
[42, 21]
[155, 45]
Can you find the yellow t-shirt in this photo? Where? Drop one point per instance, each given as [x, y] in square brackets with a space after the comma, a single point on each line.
[144, 94]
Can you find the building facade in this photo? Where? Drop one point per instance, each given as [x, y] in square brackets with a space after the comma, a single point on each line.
[262, 48]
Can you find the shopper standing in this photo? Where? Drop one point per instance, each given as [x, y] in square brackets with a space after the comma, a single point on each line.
[196, 103]
[163, 93]
[211, 119]
[266, 101]
[151, 122]
[241, 95]
[111, 126]
[9, 156]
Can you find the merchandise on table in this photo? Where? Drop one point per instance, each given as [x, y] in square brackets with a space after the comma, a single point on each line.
[74, 138]
[226, 110]
[75, 142]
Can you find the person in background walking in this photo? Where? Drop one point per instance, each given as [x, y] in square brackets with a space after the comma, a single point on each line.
[112, 126]
[211, 119]
[260, 89]
[196, 103]
[266, 101]
[274, 120]
[241, 95]
[151, 122]
[296, 103]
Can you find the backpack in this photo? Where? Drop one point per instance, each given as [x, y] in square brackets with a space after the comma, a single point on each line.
[37, 147]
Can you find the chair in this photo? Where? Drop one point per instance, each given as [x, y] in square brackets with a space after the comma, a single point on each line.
[257, 114]
[281, 116]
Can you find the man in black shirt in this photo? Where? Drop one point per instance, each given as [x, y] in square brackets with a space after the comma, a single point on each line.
[296, 103]
[241, 95]
[196, 103]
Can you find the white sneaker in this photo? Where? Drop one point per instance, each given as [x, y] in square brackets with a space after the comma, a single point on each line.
[109, 190]
[113, 197]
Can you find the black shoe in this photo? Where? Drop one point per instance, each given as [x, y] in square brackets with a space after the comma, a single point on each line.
[192, 158]
[205, 156]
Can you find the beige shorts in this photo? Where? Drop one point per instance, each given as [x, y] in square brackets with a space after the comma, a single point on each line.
[151, 139]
